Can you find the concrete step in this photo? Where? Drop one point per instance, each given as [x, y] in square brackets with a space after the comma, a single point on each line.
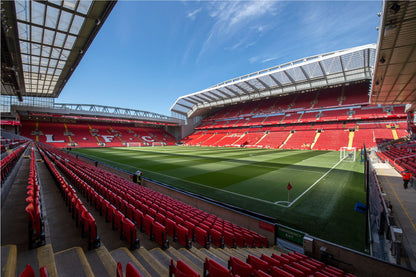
[232, 252]
[149, 262]
[8, 260]
[162, 258]
[176, 255]
[73, 262]
[101, 262]
[218, 257]
[124, 256]
[251, 251]
[37, 258]
[193, 257]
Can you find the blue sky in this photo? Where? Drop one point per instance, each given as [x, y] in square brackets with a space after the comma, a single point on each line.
[149, 53]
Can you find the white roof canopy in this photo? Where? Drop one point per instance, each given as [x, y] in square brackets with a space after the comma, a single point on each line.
[324, 70]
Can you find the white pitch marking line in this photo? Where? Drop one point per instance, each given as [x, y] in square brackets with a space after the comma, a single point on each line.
[303, 193]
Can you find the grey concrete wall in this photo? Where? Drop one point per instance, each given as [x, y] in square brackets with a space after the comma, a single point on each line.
[352, 261]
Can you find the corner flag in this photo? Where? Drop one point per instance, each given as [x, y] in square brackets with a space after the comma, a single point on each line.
[289, 186]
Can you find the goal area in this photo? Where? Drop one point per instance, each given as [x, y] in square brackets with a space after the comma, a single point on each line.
[134, 144]
[157, 143]
[347, 154]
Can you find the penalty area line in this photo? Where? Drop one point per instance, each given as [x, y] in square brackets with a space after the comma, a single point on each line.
[303, 193]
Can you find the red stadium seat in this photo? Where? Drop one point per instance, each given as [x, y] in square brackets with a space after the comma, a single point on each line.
[182, 236]
[132, 271]
[159, 234]
[147, 224]
[277, 272]
[293, 271]
[258, 263]
[129, 233]
[28, 272]
[170, 227]
[270, 261]
[240, 268]
[201, 236]
[214, 269]
[43, 272]
[119, 270]
[216, 238]
[181, 270]
[260, 273]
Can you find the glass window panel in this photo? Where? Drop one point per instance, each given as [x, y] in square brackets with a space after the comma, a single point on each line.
[58, 72]
[57, 2]
[48, 36]
[70, 4]
[36, 34]
[35, 49]
[69, 42]
[24, 47]
[55, 53]
[76, 24]
[35, 60]
[51, 70]
[65, 55]
[64, 21]
[61, 64]
[52, 63]
[44, 62]
[37, 12]
[35, 68]
[26, 68]
[22, 10]
[46, 51]
[84, 6]
[23, 30]
[51, 17]
[25, 58]
[43, 70]
[59, 39]
[48, 77]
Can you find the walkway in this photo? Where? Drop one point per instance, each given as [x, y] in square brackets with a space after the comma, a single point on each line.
[404, 208]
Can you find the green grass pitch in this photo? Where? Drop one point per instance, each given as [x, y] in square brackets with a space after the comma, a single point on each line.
[321, 202]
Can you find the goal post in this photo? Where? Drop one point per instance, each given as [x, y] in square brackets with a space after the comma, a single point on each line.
[347, 154]
[134, 144]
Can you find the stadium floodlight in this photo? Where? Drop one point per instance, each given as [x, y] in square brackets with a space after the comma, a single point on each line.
[347, 154]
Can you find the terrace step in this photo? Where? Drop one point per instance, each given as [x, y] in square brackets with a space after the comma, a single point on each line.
[149, 262]
[101, 262]
[124, 256]
[162, 258]
[72, 262]
[8, 260]
[216, 256]
[196, 259]
[176, 255]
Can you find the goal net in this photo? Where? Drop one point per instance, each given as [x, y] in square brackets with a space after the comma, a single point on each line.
[158, 143]
[134, 144]
[347, 154]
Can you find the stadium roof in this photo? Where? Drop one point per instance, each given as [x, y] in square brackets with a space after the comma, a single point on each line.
[394, 79]
[323, 70]
[43, 42]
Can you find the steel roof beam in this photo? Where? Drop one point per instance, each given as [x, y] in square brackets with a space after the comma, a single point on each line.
[262, 83]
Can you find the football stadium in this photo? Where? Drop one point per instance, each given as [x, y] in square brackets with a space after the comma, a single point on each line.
[306, 168]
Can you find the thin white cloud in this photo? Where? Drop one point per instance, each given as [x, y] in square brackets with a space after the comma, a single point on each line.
[232, 19]
[269, 59]
[192, 15]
